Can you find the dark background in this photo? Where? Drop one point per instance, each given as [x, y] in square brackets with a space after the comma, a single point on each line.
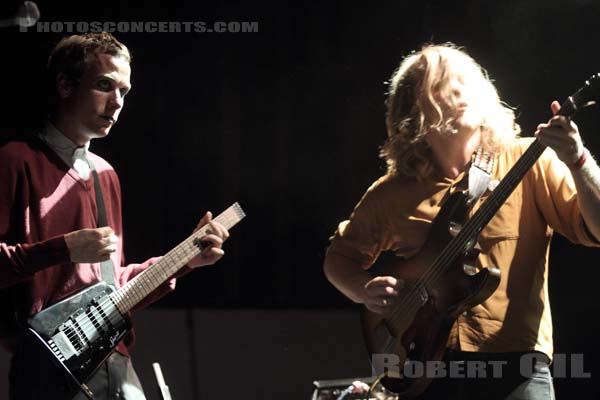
[288, 122]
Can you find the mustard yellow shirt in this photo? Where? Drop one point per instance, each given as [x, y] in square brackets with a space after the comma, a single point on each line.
[396, 214]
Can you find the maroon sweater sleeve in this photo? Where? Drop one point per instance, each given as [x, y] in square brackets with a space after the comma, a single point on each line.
[18, 261]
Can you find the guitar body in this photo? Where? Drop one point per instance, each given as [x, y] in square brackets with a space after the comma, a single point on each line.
[441, 281]
[76, 335]
[69, 340]
[427, 307]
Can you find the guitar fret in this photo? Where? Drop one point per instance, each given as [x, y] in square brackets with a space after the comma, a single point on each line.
[489, 208]
[471, 229]
[153, 276]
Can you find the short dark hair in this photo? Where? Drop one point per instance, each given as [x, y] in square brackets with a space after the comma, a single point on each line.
[71, 54]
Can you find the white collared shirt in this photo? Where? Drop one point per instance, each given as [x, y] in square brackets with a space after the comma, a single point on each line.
[69, 152]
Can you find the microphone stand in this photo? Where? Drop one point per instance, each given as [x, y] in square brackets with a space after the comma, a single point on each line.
[191, 328]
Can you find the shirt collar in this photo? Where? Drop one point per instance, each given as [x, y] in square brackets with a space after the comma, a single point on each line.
[62, 145]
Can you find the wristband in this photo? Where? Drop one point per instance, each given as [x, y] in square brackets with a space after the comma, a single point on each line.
[576, 166]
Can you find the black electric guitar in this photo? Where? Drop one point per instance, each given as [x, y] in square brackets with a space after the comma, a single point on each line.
[80, 332]
[440, 282]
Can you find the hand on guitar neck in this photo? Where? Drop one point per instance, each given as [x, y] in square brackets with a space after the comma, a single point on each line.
[96, 245]
[212, 242]
[79, 332]
[561, 135]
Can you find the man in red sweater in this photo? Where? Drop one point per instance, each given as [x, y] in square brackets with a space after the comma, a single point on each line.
[50, 242]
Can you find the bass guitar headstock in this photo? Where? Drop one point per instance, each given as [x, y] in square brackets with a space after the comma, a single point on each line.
[586, 96]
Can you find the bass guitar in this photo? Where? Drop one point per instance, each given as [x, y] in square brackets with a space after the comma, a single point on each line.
[440, 282]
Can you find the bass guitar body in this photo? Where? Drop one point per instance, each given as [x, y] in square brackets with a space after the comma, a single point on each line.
[441, 282]
[435, 292]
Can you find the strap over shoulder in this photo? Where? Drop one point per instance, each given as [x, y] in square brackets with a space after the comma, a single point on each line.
[480, 174]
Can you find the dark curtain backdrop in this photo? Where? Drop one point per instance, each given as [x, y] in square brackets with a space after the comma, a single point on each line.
[288, 121]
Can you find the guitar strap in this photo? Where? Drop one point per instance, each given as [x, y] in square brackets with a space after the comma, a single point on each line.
[480, 174]
[107, 271]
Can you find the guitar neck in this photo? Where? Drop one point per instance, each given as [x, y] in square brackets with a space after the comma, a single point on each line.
[511, 180]
[152, 277]
[493, 203]
[504, 189]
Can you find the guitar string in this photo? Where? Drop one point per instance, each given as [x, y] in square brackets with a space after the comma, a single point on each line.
[521, 168]
[467, 233]
[430, 276]
[458, 243]
[150, 271]
[87, 324]
[574, 100]
[455, 245]
[120, 301]
[480, 217]
[228, 218]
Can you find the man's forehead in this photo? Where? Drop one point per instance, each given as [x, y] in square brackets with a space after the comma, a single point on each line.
[101, 64]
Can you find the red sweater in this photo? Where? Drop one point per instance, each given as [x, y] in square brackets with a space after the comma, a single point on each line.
[41, 199]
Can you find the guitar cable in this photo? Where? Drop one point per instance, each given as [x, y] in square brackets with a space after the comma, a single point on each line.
[375, 383]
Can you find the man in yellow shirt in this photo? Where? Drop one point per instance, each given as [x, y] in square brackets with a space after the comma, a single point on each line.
[442, 108]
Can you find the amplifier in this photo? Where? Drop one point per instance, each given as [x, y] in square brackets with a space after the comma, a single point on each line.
[351, 388]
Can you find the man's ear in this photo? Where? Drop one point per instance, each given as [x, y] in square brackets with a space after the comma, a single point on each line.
[64, 85]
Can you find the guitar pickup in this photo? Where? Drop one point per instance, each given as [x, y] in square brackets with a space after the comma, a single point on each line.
[64, 345]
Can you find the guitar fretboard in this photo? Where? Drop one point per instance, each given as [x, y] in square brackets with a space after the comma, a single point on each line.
[152, 277]
[458, 245]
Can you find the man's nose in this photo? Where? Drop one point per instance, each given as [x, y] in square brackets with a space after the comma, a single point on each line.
[116, 100]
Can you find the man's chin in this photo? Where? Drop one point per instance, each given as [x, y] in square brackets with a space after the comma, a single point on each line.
[467, 122]
[100, 133]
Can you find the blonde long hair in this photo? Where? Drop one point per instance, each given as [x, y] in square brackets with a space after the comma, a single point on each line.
[418, 92]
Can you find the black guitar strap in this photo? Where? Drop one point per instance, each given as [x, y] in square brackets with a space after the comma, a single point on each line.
[107, 270]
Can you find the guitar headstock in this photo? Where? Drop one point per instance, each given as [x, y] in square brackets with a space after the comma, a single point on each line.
[586, 96]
